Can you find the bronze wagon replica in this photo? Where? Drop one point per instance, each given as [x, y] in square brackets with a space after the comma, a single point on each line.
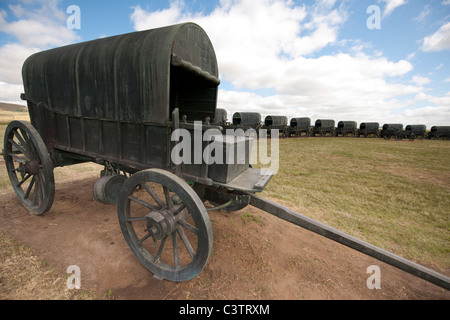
[127, 102]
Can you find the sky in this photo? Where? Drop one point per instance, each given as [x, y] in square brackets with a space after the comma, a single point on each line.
[385, 61]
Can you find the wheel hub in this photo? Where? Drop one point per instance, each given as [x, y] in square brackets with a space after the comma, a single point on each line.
[160, 224]
[32, 167]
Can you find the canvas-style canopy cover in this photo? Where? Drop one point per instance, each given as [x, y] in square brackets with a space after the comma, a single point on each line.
[139, 77]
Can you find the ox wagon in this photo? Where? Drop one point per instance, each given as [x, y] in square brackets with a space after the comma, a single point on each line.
[390, 130]
[298, 126]
[249, 122]
[345, 128]
[322, 127]
[439, 132]
[412, 132]
[368, 129]
[129, 102]
[279, 123]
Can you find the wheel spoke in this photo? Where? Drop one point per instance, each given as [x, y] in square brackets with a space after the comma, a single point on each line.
[154, 196]
[188, 226]
[30, 187]
[186, 242]
[23, 180]
[17, 157]
[142, 203]
[144, 238]
[160, 249]
[133, 219]
[21, 148]
[178, 210]
[176, 257]
[36, 188]
[168, 198]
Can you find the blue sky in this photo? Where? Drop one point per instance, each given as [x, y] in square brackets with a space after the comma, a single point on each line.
[294, 58]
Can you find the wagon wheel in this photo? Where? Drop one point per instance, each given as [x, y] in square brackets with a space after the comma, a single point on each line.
[157, 205]
[29, 167]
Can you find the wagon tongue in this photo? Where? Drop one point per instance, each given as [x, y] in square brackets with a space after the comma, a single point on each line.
[349, 241]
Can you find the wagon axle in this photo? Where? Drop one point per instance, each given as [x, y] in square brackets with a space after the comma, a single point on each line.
[30, 166]
[162, 223]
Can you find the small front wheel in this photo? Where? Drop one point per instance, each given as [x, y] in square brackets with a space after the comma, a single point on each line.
[165, 224]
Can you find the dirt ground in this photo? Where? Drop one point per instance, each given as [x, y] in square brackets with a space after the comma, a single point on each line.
[255, 256]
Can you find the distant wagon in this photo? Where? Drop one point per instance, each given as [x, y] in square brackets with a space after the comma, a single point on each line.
[299, 126]
[279, 123]
[390, 130]
[344, 128]
[439, 133]
[412, 132]
[369, 129]
[322, 127]
[220, 117]
[246, 121]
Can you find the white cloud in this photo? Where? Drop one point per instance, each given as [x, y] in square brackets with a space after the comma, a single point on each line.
[36, 25]
[11, 93]
[438, 41]
[420, 81]
[429, 115]
[423, 14]
[274, 44]
[391, 5]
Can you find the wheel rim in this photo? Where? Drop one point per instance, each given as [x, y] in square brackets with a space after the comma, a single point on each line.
[29, 167]
[169, 231]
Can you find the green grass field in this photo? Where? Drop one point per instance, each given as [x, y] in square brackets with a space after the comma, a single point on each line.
[393, 194]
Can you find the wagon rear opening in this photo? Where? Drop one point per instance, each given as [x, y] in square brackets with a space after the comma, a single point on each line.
[192, 90]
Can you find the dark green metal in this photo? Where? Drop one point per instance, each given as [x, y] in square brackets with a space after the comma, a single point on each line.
[323, 127]
[346, 127]
[439, 132]
[298, 126]
[367, 129]
[390, 130]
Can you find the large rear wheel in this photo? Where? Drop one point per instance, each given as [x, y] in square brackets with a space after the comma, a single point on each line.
[165, 224]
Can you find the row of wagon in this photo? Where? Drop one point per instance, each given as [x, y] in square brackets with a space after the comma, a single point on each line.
[325, 127]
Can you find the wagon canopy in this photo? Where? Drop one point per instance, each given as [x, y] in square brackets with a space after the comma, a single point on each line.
[416, 128]
[321, 123]
[347, 124]
[369, 126]
[300, 122]
[440, 129]
[246, 118]
[138, 77]
[276, 121]
[393, 126]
